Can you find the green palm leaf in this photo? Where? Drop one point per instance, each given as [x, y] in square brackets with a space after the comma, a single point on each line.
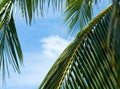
[77, 14]
[114, 37]
[79, 10]
[10, 50]
[86, 62]
[31, 8]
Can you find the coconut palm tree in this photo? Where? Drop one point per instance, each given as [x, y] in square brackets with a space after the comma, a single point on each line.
[91, 61]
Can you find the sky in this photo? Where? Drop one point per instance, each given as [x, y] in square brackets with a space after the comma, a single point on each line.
[41, 43]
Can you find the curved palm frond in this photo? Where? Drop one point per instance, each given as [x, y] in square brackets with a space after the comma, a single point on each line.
[10, 50]
[86, 62]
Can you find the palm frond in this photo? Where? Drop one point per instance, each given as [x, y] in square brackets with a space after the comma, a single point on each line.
[31, 8]
[76, 11]
[77, 14]
[10, 51]
[6, 7]
[86, 62]
[114, 37]
[28, 8]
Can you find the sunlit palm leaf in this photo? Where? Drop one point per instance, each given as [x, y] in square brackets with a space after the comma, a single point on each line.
[5, 12]
[10, 51]
[86, 62]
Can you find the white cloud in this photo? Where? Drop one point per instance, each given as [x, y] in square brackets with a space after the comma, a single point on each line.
[37, 64]
[53, 46]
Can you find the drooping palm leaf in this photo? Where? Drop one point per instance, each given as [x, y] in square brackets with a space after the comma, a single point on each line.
[6, 7]
[10, 50]
[32, 7]
[77, 14]
[74, 9]
[86, 62]
[29, 8]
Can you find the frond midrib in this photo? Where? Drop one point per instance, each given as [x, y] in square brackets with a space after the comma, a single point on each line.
[93, 22]
[83, 32]
[81, 36]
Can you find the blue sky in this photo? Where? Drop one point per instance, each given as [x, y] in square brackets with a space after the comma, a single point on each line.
[42, 43]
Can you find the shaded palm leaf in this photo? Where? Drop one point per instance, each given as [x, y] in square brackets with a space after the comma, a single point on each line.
[77, 14]
[10, 50]
[86, 62]
[28, 8]
[81, 10]
[114, 37]
[32, 7]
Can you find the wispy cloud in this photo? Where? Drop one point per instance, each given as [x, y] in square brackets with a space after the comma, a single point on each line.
[53, 46]
[34, 70]
[37, 64]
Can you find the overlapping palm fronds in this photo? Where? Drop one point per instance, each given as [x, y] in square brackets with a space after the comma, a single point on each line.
[87, 62]
[74, 9]
[114, 38]
[10, 50]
